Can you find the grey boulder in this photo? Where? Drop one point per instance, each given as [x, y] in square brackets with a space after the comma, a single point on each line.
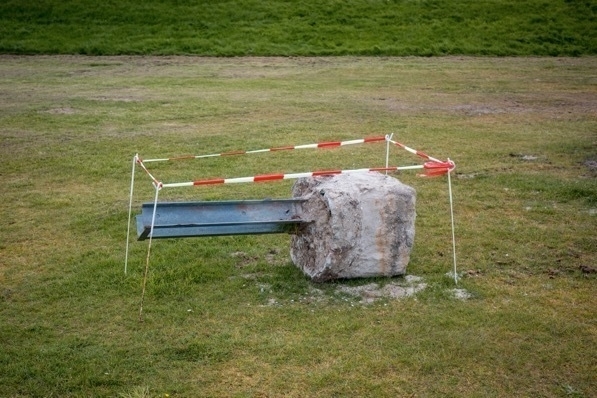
[363, 225]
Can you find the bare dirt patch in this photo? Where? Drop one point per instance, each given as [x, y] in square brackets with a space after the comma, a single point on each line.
[372, 292]
[61, 111]
[561, 105]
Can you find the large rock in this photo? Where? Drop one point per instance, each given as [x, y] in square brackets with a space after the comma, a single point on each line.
[363, 226]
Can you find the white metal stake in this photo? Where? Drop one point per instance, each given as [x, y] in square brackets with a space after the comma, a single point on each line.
[128, 229]
[155, 205]
[452, 220]
[388, 139]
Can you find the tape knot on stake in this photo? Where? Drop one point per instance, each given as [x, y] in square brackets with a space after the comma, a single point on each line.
[436, 168]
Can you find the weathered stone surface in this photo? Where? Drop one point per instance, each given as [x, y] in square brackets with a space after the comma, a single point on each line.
[364, 226]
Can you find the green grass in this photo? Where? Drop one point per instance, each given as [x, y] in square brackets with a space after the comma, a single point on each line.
[231, 316]
[282, 27]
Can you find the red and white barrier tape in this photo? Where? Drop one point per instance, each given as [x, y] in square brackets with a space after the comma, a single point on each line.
[414, 151]
[330, 144]
[274, 177]
[433, 166]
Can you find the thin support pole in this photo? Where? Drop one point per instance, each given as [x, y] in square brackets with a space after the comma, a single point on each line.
[452, 220]
[155, 205]
[388, 139]
[128, 229]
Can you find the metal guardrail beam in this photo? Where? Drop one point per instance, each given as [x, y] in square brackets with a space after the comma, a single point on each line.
[213, 218]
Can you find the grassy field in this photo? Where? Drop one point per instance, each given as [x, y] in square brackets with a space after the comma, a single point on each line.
[231, 316]
[308, 27]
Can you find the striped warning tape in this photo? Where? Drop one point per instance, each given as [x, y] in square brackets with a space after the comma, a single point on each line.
[433, 166]
[414, 151]
[290, 176]
[329, 144]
